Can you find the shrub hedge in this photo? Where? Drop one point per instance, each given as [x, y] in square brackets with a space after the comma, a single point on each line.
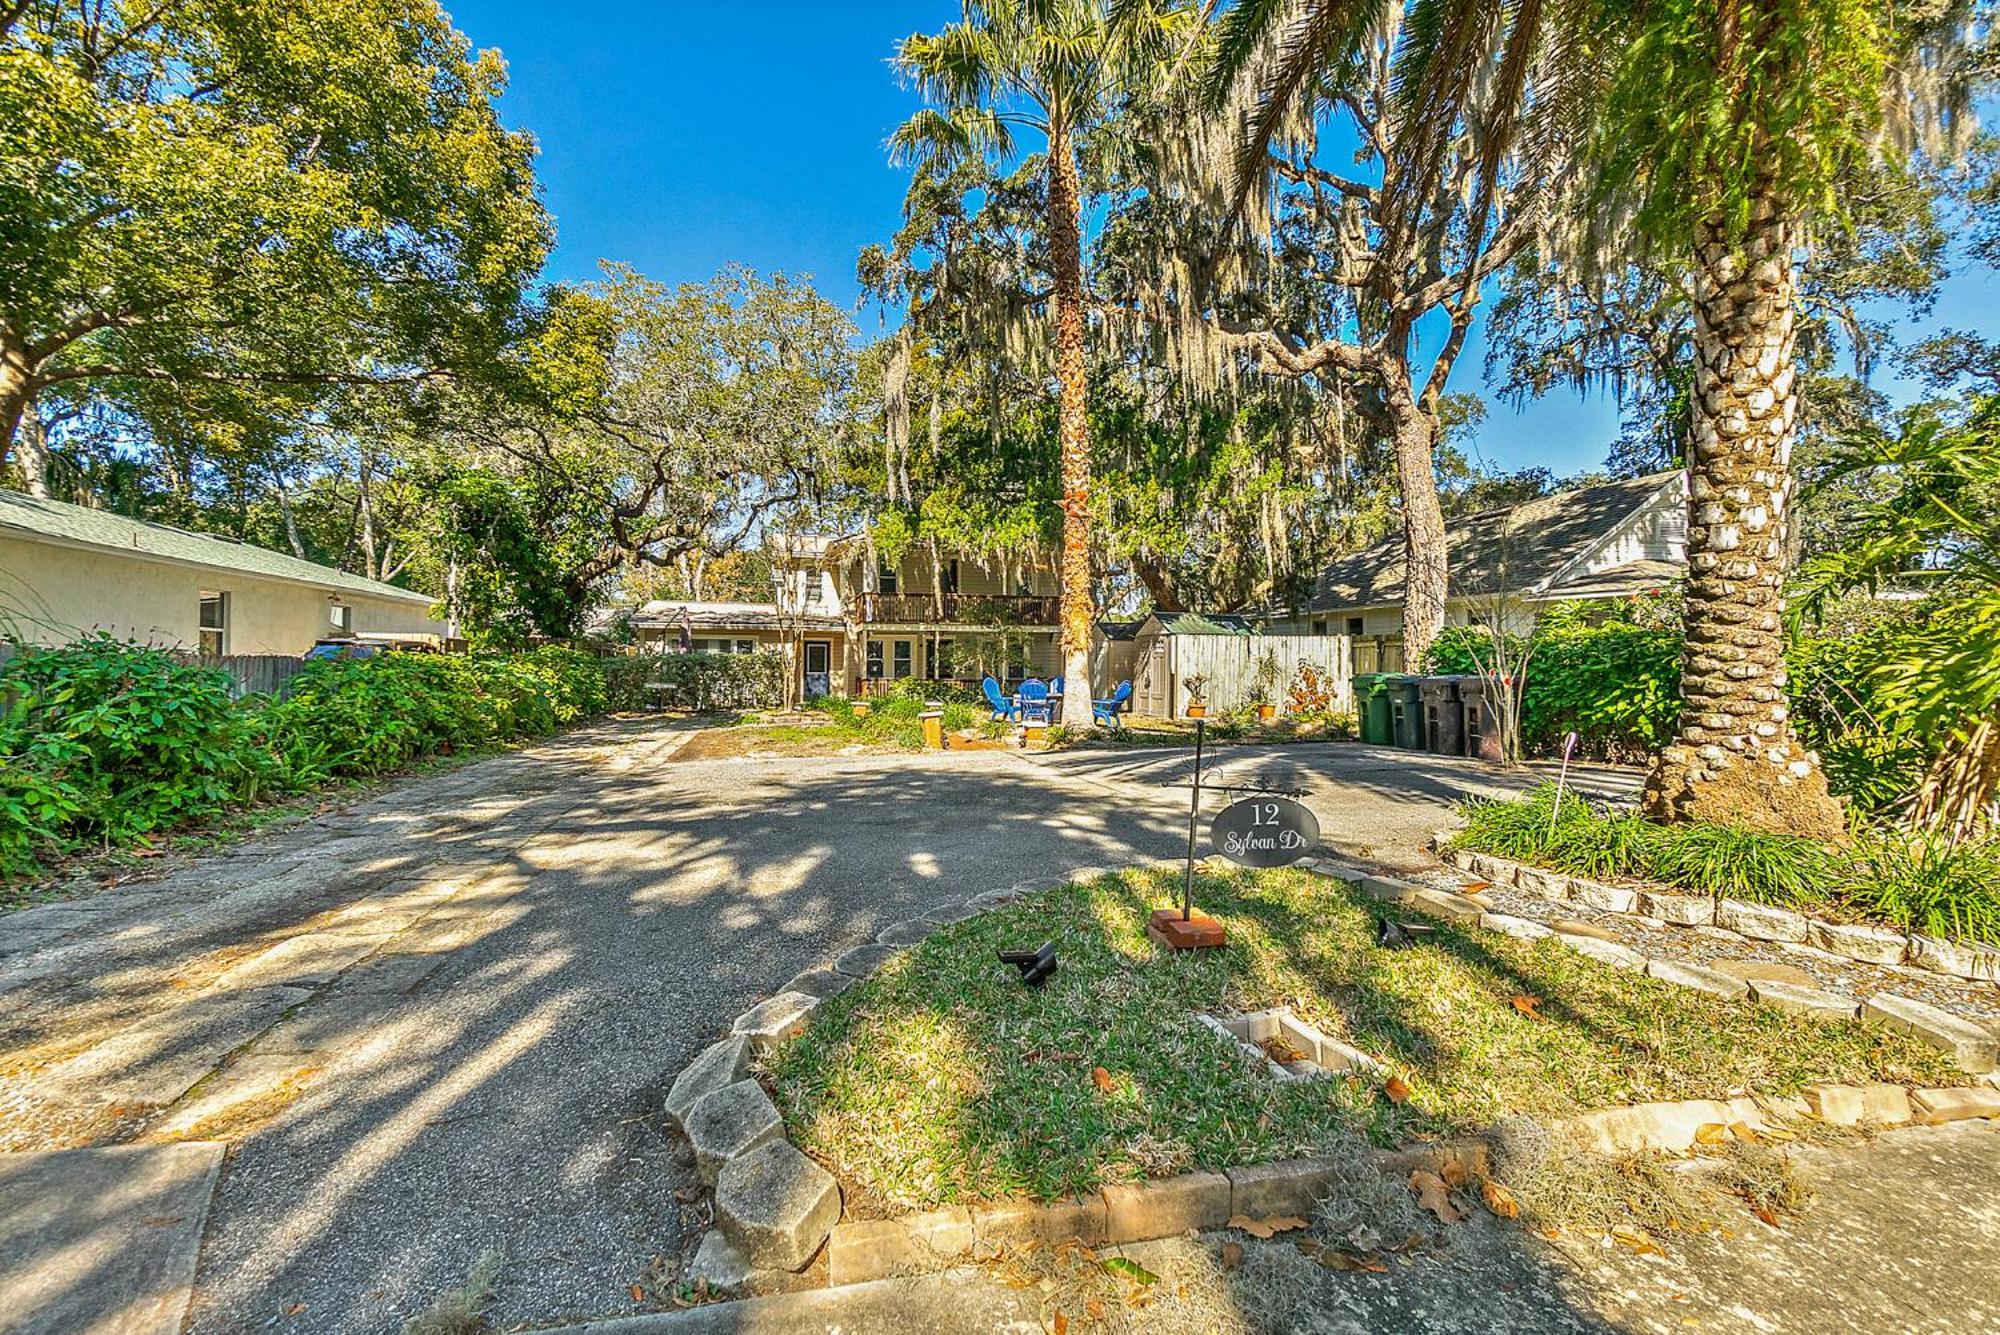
[103, 741]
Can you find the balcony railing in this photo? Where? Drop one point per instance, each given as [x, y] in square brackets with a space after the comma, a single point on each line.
[970, 609]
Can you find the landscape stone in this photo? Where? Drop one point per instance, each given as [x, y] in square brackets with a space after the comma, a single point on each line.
[1760, 922]
[1547, 884]
[776, 1205]
[821, 983]
[719, 1263]
[728, 1123]
[859, 1251]
[1973, 1046]
[1711, 981]
[1453, 908]
[1958, 959]
[905, 933]
[1608, 898]
[1935, 1106]
[1163, 1207]
[1011, 1222]
[1869, 945]
[1290, 1186]
[1527, 929]
[1578, 927]
[775, 1019]
[1765, 971]
[1681, 910]
[864, 960]
[1337, 1055]
[1661, 1126]
[950, 913]
[719, 1064]
[1605, 952]
[1803, 1000]
[1390, 891]
[1855, 1105]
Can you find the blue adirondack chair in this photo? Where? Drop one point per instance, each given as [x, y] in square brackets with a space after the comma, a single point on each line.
[1105, 712]
[1034, 698]
[1003, 708]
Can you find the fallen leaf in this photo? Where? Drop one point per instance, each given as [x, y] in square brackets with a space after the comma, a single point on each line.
[149, 852]
[1765, 1213]
[1396, 1089]
[638, 1293]
[295, 1309]
[1336, 1258]
[1638, 1242]
[1743, 1132]
[1102, 1078]
[1499, 1200]
[1094, 1310]
[1061, 1323]
[1232, 1256]
[1526, 1005]
[1711, 1133]
[1454, 1173]
[1435, 1196]
[1264, 1228]
[1473, 887]
[1127, 1268]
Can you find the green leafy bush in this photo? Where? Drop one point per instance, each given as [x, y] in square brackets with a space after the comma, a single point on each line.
[1925, 883]
[706, 682]
[106, 740]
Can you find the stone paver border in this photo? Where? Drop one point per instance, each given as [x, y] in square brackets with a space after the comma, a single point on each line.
[1859, 942]
[860, 1251]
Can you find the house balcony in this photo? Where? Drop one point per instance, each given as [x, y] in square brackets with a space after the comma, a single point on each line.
[958, 609]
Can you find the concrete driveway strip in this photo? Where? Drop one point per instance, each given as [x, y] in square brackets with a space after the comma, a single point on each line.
[102, 1241]
[440, 1023]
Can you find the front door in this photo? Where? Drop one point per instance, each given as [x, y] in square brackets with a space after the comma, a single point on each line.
[819, 668]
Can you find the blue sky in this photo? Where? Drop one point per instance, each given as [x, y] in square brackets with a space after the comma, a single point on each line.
[679, 136]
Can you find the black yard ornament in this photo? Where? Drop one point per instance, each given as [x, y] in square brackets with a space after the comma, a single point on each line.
[1400, 935]
[1035, 965]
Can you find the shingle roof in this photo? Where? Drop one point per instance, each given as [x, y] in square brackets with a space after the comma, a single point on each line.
[1518, 548]
[664, 614]
[63, 522]
[1207, 623]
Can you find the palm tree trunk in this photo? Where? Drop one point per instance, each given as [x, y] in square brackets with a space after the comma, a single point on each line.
[1737, 760]
[1066, 254]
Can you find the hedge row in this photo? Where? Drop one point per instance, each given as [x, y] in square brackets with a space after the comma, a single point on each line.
[102, 741]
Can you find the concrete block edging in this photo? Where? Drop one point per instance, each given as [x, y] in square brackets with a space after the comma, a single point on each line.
[860, 1251]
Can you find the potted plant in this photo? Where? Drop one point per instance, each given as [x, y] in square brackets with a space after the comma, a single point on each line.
[1264, 686]
[1197, 686]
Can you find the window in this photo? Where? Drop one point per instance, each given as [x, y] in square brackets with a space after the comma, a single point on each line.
[885, 578]
[902, 659]
[746, 647]
[1354, 625]
[214, 621]
[342, 617]
[937, 660]
[948, 576]
[875, 659]
[1319, 625]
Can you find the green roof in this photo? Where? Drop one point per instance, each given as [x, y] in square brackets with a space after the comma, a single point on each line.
[65, 523]
[1206, 623]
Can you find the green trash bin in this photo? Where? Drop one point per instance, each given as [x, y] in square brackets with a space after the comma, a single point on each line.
[1371, 702]
[1406, 709]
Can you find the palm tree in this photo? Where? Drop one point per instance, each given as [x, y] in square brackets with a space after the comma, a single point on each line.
[1056, 68]
[1721, 128]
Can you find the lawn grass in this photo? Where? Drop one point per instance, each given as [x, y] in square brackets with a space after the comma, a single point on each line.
[942, 1080]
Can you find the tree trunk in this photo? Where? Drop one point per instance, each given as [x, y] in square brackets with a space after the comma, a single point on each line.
[1079, 615]
[367, 506]
[1154, 576]
[291, 520]
[1736, 760]
[31, 452]
[17, 390]
[1424, 553]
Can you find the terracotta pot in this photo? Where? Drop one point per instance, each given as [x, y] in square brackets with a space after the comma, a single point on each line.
[1197, 710]
[861, 711]
[1265, 713]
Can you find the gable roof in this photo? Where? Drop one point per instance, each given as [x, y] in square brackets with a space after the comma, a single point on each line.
[1206, 623]
[60, 522]
[1519, 548]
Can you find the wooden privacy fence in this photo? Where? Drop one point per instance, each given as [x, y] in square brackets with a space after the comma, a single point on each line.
[252, 674]
[1165, 662]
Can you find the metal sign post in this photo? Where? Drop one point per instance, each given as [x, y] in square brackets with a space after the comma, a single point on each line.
[1194, 818]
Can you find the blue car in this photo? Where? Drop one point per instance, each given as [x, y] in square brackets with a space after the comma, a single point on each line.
[341, 649]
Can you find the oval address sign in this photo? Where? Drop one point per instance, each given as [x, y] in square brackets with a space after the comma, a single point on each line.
[1264, 831]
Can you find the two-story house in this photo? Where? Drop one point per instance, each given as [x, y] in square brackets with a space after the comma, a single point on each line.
[853, 622]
